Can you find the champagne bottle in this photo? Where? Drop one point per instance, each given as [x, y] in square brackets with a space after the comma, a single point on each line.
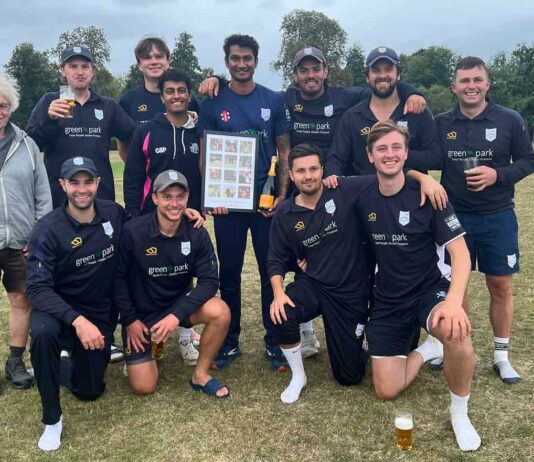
[267, 194]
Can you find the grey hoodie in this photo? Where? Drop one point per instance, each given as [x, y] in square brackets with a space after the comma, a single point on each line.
[24, 191]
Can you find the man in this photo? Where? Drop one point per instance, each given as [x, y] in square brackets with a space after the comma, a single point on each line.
[404, 236]
[160, 254]
[169, 141]
[96, 119]
[143, 102]
[483, 196]
[245, 106]
[70, 274]
[25, 199]
[348, 151]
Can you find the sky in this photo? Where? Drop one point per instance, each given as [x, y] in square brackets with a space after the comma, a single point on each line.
[477, 27]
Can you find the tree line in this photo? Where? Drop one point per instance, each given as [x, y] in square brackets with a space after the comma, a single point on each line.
[430, 68]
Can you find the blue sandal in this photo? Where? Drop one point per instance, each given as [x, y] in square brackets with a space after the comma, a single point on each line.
[211, 388]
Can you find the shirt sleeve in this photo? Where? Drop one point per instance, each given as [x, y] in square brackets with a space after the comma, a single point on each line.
[339, 157]
[135, 171]
[281, 117]
[43, 197]
[425, 153]
[207, 279]
[445, 225]
[40, 127]
[122, 125]
[206, 121]
[406, 90]
[280, 254]
[353, 187]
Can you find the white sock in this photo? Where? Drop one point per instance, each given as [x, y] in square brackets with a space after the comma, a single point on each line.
[306, 327]
[466, 435]
[185, 334]
[431, 348]
[51, 438]
[298, 376]
[501, 349]
[501, 362]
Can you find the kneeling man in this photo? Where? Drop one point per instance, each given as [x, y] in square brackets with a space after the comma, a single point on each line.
[159, 256]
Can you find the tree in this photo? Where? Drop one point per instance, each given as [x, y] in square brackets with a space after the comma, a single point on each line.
[132, 79]
[439, 98]
[430, 66]
[302, 28]
[356, 65]
[91, 37]
[183, 57]
[34, 74]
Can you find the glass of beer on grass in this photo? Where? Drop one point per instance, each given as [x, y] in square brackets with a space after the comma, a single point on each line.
[157, 347]
[66, 93]
[404, 428]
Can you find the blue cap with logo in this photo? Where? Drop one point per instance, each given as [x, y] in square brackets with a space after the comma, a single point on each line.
[76, 50]
[382, 53]
[78, 164]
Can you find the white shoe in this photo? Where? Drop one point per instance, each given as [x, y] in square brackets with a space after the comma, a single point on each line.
[189, 353]
[117, 354]
[309, 345]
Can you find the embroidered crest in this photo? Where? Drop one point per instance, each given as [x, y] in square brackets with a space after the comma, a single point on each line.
[186, 248]
[329, 110]
[99, 114]
[512, 260]
[265, 114]
[491, 134]
[330, 206]
[108, 228]
[404, 217]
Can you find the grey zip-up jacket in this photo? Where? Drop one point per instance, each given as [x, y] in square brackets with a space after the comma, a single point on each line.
[24, 191]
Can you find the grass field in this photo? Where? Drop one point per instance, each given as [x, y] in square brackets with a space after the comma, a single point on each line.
[329, 423]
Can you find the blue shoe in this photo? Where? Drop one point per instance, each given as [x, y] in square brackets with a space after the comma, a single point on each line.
[224, 358]
[274, 354]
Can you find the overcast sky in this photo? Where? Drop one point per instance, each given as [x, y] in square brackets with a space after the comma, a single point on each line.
[476, 27]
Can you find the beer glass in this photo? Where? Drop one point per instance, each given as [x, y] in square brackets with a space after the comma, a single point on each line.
[469, 163]
[66, 93]
[404, 428]
[157, 348]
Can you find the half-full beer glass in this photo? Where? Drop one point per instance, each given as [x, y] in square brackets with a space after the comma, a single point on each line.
[404, 428]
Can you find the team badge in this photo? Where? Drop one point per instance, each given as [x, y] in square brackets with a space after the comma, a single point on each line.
[76, 242]
[329, 110]
[151, 251]
[512, 260]
[265, 114]
[371, 217]
[330, 206]
[76, 49]
[299, 226]
[99, 114]
[404, 218]
[451, 136]
[108, 228]
[225, 116]
[491, 134]
[194, 148]
[298, 107]
[186, 248]
[142, 108]
[441, 295]
[365, 131]
[402, 123]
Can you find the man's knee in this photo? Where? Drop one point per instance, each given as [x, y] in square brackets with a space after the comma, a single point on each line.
[143, 389]
[386, 392]
[499, 286]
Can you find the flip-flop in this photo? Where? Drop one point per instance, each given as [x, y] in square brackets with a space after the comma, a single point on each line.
[210, 388]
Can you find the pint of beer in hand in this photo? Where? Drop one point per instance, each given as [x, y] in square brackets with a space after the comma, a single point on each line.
[66, 93]
[157, 348]
[404, 428]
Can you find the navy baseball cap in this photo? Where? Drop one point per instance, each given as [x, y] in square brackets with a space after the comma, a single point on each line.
[76, 50]
[168, 178]
[78, 164]
[382, 53]
[309, 52]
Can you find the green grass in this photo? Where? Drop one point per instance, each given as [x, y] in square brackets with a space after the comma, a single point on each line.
[329, 423]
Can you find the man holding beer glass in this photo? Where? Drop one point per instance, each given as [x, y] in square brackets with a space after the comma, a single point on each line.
[412, 282]
[160, 254]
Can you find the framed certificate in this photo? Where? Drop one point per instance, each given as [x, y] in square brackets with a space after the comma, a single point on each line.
[230, 162]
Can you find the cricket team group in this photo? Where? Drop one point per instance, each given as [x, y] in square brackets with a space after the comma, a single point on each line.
[359, 233]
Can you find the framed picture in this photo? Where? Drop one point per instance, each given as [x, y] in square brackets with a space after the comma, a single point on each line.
[230, 162]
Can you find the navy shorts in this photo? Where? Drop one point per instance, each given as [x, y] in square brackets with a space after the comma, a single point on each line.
[391, 328]
[492, 241]
[13, 266]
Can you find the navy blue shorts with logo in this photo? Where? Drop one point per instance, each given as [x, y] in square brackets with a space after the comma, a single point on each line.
[492, 241]
[391, 328]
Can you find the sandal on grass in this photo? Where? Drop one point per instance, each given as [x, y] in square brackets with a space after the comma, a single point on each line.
[211, 388]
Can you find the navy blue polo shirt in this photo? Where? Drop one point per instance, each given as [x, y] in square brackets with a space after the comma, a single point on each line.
[87, 134]
[154, 271]
[71, 264]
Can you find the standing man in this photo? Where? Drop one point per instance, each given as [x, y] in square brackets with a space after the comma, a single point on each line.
[25, 198]
[348, 152]
[143, 102]
[71, 263]
[404, 236]
[160, 254]
[497, 138]
[95, 120]
[244, 106]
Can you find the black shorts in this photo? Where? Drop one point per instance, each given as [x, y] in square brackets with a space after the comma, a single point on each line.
[13, 266]
[391, 328]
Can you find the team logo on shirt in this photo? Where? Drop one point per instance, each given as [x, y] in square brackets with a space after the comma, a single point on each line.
[298, 107]
[365, 131]
[451, 136]
[452, 222]
[160, 150]
[300, 226]
[329, 110]
[225, 116]
[76, 242]
[265, 113]
[330, 206]
[371, 217]
[402, 123]
[404, 217]
[441, 295]
[99, 114]
[491, 134]
[186, 248]
[108, 228]
[142, 108]
[194, 148]
[512, 260]
[151, 251]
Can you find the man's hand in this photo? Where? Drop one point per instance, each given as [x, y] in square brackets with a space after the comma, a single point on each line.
[331, 181]
[136, 336]
[217, 211]
[89, 335]
[194, 215]
[209, 87]
[269, 213]
[278, 311]
[25, 251]
[58, 109]
[435, 193]
[480, 178]
[454, 320]
[415, 104]
[194, 116]
[164, 328]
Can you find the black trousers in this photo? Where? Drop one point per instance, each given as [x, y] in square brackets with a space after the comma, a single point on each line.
[85, 379]
[341, 316]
